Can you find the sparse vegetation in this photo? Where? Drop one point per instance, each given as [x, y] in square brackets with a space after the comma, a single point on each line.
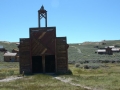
[104, 78]
[8, 69]
[31, 82]
[88, 54]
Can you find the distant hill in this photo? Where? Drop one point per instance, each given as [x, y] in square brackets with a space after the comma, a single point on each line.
[108, 42]
[8, 45]
[86, 51]
[78, 51]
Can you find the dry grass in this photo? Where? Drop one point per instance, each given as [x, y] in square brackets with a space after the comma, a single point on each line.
[104, 78]
[30, 82]
[8, 69]
[37, 82]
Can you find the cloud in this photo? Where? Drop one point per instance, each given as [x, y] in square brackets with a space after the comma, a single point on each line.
[55, 3]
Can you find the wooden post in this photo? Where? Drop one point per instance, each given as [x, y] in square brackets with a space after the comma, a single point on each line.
[43, 63]
[46, 19]
[23, 73]
[38, 19]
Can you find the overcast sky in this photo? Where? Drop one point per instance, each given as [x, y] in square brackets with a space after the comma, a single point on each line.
[78, 20]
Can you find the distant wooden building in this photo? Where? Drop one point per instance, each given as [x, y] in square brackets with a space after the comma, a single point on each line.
[2, 49]
[43, 52]
[100, 51]
[115, 49]
[104, 51]
[15, 51]
[17, 43]
[110, 46]
[108, 50]
[11, 57]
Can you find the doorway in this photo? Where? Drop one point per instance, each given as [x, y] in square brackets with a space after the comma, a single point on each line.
[50, 63]
[37, 64]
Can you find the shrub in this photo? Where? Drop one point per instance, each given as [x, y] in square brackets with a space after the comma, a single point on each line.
[94, 67]
[77, 65]
[86, 67]
[118, 61]
[10, 72]
[81, 62]
[71, 62]
[86, 61]
[69, 72]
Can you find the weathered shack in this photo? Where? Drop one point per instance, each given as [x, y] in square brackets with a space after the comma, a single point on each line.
[115, 49]
[110, 46]
[105, 51]
[10, 57]
[100, 51]
[109, 51]
[43, 52]
[15, 51]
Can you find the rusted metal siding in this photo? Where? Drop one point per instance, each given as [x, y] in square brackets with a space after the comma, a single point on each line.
[43, 41]
[25, 59]
[61, 54]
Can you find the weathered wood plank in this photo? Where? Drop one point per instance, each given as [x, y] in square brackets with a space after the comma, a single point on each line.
[61, 53]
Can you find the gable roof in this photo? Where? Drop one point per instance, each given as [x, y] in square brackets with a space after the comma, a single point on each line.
[110, 46]
[115, 49]
[101, 50]
[15, 50]
[10, 54]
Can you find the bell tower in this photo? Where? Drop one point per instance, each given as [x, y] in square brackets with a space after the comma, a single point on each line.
[42, 13]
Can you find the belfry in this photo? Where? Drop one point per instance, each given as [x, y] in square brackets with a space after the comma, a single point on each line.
[43, 52]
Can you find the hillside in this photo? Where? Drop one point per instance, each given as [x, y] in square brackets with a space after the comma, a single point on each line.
[8, 45]
[86, 51]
